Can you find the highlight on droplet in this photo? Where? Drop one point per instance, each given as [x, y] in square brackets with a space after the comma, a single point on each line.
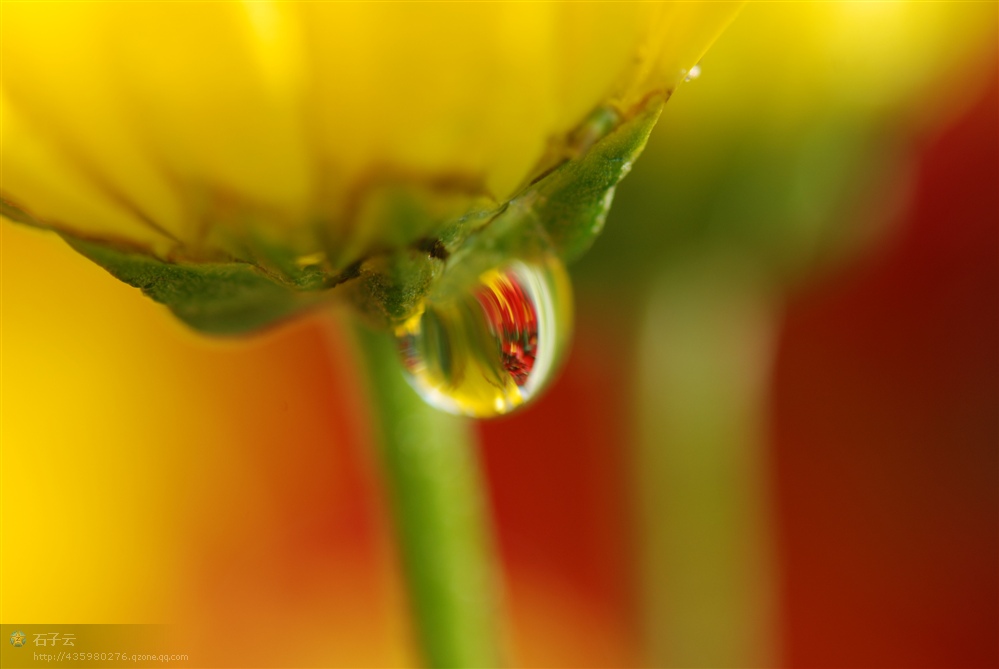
[496, 345]
[694, 73]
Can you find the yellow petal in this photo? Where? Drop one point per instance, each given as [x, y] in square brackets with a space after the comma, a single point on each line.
[56, 76]
[217, 87]
[229, 124]
[62, 196]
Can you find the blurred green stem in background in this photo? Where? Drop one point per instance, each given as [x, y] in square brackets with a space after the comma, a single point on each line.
[706, 538]
[432, 475]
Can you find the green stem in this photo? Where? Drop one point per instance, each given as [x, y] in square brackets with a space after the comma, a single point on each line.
[436, 494]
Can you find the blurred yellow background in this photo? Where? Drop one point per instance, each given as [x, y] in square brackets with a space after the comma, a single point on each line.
[152, 475]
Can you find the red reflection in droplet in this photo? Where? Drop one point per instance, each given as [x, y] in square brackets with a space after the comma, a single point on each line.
[513, 319]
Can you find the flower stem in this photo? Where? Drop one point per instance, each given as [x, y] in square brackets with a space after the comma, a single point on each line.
[436, 495]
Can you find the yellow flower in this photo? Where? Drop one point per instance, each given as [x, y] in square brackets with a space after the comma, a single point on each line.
[280, 144]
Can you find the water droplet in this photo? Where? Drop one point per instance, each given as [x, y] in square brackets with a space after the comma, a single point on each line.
[693, 73]
[494, 346]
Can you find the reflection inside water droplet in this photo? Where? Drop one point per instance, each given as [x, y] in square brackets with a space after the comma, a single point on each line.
[494, 346]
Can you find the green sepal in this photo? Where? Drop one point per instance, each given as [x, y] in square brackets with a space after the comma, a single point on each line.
[573, 201]
[215, 298]
[389, 289]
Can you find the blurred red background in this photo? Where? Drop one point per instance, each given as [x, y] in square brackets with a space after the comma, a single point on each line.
[884, 443]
